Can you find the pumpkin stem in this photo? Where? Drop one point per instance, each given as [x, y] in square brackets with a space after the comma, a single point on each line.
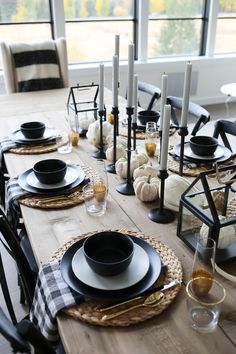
[149, 178]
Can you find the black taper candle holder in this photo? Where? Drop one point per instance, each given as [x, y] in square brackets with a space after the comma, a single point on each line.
[100, 153]
[183, 131]
[162, 215]
[127, 187]
[134, 127]
[111, 167]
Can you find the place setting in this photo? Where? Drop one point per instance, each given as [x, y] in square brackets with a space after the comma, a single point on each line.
[109, 278]
[199, 154]
[31, 138]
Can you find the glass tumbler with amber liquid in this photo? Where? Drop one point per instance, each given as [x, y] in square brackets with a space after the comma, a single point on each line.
[203, 266]
[151, 138]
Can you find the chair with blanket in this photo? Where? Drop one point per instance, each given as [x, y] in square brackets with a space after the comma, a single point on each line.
[33, 66]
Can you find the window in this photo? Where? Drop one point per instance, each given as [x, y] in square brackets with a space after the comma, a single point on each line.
[226, 27]
[25, 20]
[91, 26]
[175, 27]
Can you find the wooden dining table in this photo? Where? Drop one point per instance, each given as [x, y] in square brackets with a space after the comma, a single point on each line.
[169, 332]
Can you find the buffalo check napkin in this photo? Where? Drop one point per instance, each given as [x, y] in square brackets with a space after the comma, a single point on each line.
[5, 145]
[13, 193]
[52, 294]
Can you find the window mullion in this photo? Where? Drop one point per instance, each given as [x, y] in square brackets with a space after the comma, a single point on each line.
[58, 18]
[211, 33]
[143, 10]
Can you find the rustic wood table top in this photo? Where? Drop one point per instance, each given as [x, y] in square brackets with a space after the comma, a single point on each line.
[168, 332]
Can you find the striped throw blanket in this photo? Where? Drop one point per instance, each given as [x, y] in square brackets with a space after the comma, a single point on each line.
[36, 65]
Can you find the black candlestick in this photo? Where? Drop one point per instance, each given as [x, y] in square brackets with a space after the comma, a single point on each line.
[134, 127]
[162, 215]
[100, 153]
[111, 167]
[127, 187]
[183, 131]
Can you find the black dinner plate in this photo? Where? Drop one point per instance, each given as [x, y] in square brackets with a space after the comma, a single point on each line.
[24, 185]
[226, 154]
[90, 292]
[18, 137]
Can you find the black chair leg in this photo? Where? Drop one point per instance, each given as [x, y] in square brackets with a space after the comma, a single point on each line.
[22, 293]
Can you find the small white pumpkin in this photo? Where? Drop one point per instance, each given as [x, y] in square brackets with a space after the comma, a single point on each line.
[141, 157]
[93, 133]
[85, 121]
[146, 188]
[175, 186]
[145, 170]
[227, 234]
[120, 152]
[122, 164]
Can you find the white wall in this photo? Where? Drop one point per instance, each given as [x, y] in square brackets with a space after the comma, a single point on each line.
[209, 74]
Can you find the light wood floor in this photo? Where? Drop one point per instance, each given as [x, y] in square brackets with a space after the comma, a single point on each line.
[216, 112]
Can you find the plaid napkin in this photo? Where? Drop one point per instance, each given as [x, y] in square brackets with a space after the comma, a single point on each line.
[13, 193]
[51, 295]
[5, 145]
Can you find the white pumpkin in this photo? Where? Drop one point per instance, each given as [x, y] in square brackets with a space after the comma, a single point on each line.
[120, 152]
[175, 186]
[227, 234]
[146, 188]
[93, 133]
[145, 170]
[85, 121]
[122, 164]
[142, 158]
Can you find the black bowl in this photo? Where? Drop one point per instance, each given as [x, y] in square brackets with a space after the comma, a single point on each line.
[108, 253]
[203, 145]
[32, 130]
[50, 171]
[148, 116]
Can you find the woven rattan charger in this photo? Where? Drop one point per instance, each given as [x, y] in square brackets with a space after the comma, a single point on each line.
[140, 134]
[88, 311]
[34, 149]
[75, 197]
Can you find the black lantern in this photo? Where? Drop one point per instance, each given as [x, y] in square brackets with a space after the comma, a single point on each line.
[210, 211]
[82, 112]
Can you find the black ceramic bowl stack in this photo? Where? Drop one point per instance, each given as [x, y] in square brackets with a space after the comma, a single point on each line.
[32, 130]
[108, 253]
[50, 171]
[203, 145]
[148, 116]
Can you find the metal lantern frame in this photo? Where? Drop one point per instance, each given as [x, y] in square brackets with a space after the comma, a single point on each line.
[77, 107]
[212, 219]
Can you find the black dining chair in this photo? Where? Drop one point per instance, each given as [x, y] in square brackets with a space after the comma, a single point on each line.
[23, 336]
[20, 250]
[195, 110]
[222, 128]
[152, 94]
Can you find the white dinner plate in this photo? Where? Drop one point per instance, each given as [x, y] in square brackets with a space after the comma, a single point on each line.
[135, 272]
[72, 174]
[48, 133]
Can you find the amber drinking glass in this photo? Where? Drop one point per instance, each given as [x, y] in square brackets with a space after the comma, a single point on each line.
[151, 138]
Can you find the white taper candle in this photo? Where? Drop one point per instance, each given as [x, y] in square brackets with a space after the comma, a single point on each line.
[186, 94]
[130, 75]
[164, 82]
[165, 137]
[134, 119]
[115, 80]
[101, 87]
[117, 45]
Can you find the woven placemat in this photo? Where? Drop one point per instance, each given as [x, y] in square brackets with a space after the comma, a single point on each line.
[173, 166]
[36, 149]
[140, 135]
[88, 311]
[62, 201]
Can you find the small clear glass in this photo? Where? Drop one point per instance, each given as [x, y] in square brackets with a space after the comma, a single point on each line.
[151, 138]
[204, 309]
[63, 143]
